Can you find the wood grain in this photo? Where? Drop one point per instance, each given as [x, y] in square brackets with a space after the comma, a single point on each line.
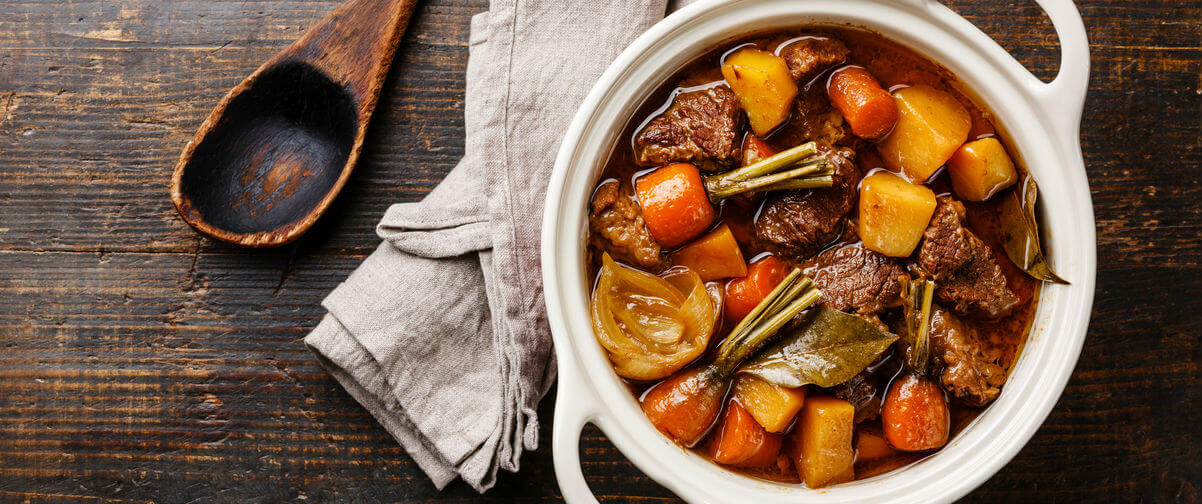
[140, 363]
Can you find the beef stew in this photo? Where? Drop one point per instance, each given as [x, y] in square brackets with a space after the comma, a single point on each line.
[786, 278]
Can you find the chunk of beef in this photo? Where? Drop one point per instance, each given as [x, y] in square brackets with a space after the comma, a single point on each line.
[812, 101]
[860, 391]
[965, 271]
[970, 370]
[700, 126]
[797, 224]
[854, 279]
[815, 119]
[811, 55]
[616, 226]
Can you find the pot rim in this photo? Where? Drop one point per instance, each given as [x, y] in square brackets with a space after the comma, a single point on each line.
[1037, 118]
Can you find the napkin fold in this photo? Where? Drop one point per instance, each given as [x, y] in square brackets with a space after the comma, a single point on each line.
[441, 333]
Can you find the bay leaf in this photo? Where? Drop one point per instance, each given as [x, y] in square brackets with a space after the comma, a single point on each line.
[829, 348]
[1021, 233]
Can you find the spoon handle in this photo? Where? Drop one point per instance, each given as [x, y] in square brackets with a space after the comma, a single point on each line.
[354, 46]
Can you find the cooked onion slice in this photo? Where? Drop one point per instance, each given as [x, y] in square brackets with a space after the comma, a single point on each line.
[651, 326]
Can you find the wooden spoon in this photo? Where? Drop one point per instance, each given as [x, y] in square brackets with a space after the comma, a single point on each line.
[272, 156]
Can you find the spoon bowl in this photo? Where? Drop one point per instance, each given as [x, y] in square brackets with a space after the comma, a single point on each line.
[275, 152]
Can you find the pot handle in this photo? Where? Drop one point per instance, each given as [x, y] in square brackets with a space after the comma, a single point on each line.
[575, 406]
[1064, 97]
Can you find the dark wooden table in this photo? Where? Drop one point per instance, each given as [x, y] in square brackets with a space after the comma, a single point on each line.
[139, 362]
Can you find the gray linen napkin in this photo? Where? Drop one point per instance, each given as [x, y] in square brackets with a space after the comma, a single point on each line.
[441, 333]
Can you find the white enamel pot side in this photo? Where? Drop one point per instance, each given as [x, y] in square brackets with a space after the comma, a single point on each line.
[1042, 122]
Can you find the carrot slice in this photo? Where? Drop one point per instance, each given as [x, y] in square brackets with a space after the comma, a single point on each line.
[743, 294]
[915, 416]
[713, 256]
[742, 442]
[867, 107]
[686, 404]
[675, 205]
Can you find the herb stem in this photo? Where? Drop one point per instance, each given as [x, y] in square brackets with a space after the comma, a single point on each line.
[806, 182]
[813, 168]
[794, 294]
[753, 317]
[762, 334]
[800, 161]
[795, 290]
[770, 164]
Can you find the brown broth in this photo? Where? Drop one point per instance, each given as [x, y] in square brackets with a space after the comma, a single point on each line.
[893, 65]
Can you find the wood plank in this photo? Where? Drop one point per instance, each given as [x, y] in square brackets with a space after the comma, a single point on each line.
[116, 148]
[141, 363]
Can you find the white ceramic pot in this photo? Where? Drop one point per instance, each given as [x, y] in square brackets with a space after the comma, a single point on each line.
[1042, 122]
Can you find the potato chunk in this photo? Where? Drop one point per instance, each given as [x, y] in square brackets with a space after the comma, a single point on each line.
[764, 87]
[893, 213]
[822, 442]
[771, 405]
[981, 168]
[872, 446]
[931, 125]
[713, 256]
